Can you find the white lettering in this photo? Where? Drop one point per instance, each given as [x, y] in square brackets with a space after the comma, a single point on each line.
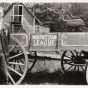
[44, 40]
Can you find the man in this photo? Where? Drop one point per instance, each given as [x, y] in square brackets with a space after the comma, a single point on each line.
[72, 23]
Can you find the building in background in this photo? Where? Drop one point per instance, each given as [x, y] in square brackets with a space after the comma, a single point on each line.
[19, 19]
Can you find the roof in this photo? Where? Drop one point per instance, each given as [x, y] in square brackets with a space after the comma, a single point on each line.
[10, 7]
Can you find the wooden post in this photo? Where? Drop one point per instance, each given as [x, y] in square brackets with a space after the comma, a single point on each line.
[3, 64]
[3, 70]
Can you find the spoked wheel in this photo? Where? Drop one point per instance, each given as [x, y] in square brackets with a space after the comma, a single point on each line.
[71, 61]
[17, 62]
[87, 74]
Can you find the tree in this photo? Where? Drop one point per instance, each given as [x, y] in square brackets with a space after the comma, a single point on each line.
[49, 14]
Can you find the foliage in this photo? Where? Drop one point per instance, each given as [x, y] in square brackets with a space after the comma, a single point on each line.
[49, 13]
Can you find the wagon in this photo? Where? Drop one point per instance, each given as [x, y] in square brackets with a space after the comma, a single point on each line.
[20, 51]
[71, 48]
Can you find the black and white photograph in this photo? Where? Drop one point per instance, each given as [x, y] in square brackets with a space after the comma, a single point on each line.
[43, 43]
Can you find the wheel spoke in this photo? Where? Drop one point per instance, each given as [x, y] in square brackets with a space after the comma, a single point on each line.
[15, 56]
[72, 54]
[68, 56]
[14, 71]
[74, 68]
[78, 68]
[67, 62]
[21, 70]
[11, 48]
[77, 53]
[15, 63]
[82, 68]
[69, 68]
[70, 63]
[11, 78]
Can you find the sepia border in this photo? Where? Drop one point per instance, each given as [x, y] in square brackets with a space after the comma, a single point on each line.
[46, 1]
[44, 86]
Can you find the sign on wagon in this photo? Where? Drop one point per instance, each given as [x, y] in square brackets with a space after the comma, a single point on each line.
[44, 42]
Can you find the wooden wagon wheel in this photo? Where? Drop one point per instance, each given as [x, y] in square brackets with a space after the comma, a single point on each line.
[17, 62]
[69, 62]
[87, 75]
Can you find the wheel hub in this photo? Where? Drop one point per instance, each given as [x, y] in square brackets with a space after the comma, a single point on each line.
[79, 60]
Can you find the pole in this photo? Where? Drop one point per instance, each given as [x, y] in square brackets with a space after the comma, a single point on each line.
[3, 64]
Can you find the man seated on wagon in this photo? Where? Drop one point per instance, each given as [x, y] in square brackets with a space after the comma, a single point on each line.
[72, 23]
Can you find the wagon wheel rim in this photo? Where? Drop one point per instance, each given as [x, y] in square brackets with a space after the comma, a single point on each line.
[17, 65]
[67, 63]
[87, 73]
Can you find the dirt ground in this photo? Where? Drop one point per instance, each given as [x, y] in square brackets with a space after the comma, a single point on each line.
[49, 73]
[55, 78]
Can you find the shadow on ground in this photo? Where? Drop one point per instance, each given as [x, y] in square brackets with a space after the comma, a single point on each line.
[70, 78]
